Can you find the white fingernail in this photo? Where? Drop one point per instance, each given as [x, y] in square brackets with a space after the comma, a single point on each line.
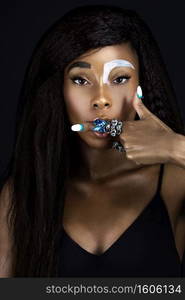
[139, 92]
[77, 127]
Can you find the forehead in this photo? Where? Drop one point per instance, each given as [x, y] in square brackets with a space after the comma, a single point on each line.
[98, 57]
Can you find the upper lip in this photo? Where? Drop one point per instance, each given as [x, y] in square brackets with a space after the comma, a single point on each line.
[102, 118]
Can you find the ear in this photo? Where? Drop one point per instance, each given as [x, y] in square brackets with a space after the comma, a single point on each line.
[138, 105]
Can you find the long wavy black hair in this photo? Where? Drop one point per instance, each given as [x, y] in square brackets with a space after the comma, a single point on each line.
[41, 160]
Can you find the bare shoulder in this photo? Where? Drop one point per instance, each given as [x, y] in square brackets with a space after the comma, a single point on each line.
[173, 187]
[5, 202]
[5, 232]
[5, 195]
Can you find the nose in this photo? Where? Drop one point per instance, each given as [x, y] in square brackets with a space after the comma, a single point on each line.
[101, 103]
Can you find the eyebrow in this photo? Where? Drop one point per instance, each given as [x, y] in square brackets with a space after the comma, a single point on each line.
[79, 64]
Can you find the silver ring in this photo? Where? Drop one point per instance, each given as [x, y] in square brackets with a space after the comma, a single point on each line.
[118, 146]
[114, 127]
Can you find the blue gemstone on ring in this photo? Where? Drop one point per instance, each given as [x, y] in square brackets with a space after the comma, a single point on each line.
[100, 125]
[99, 122]
[99, 129]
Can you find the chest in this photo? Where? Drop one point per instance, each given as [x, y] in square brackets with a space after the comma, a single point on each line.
[96, 215]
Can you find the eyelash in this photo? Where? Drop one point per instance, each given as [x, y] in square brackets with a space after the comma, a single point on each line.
[127, 77]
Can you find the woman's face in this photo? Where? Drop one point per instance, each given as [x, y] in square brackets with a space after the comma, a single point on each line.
[101, 84]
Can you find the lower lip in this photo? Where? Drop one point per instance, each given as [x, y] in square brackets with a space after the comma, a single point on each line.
[101, 135]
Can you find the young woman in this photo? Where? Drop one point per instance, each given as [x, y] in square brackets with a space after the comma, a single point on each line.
[74, 203]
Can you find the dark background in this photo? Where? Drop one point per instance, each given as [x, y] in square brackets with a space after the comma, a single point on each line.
[24, 22]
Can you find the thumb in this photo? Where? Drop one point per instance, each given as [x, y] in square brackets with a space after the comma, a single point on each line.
[138, 105]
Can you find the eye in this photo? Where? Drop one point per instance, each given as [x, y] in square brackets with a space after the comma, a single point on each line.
[79, 80]
[121, 79]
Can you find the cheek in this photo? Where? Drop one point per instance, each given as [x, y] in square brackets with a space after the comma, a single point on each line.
[122, 97]
[123, 92]
[76, 104]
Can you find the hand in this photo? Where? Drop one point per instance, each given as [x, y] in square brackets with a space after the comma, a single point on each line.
[148, 140]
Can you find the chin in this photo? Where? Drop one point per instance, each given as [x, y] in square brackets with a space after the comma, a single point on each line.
[96, 142]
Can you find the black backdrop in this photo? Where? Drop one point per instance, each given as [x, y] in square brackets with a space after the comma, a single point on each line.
[23, 23]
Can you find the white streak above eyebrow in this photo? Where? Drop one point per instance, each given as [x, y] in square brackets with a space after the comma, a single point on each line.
[112, 64]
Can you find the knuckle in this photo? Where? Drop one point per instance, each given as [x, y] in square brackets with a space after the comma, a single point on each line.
[128, 124]
[126, 145]
[140, 104]
[129, 156]
[122, 136]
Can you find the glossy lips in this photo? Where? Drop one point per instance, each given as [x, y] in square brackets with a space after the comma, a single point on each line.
[99, 129]
[100, 134]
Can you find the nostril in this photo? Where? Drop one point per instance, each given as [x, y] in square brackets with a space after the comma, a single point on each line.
[106, 104]
[95, 105]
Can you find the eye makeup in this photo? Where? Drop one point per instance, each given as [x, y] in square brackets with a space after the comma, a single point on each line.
[109, 66]
[123, 76]
[115, 80]
[79, 64]
[81, 76]
[82, 79]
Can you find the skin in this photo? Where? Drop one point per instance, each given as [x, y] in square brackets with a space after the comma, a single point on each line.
[99, 100]
[94, 215]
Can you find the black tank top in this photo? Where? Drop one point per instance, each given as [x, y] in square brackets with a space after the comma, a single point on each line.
[146, 249]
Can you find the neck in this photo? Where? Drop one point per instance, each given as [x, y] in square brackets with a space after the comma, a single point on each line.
[102, 164]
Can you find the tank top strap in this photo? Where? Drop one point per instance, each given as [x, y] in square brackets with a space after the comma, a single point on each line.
[160, 178]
